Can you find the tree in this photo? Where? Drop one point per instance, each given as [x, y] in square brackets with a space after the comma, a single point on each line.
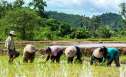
[85, 22]
[53, 24]
[24, 21]
[18, 3]
[80, 33]
[123, 10]
[64, 29]
[4, 7]
[96, 22]
[104, 31]
[39, 5]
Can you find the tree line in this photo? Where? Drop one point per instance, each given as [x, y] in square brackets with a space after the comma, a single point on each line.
[32, 22]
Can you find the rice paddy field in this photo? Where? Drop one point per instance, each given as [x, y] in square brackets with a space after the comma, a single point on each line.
[47, 69]
[40, 68]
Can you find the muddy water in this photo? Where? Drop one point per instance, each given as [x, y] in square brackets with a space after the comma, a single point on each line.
[90, 45]
[70, 43]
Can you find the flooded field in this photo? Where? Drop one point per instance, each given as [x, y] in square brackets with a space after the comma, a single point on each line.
[86, 47]
[40, 68]
[81, 44]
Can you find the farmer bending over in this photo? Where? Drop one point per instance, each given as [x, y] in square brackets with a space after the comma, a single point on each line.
[109, 54]
[9, 44]
[97, 56]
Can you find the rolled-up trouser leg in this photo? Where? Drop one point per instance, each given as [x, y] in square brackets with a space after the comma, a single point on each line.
[79, 55]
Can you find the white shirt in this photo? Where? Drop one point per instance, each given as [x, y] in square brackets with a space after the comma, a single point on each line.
[9, 43]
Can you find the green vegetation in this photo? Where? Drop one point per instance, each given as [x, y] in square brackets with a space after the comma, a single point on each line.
[41, 69]
[32, 22]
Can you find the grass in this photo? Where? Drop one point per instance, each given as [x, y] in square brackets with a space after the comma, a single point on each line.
[47, 69]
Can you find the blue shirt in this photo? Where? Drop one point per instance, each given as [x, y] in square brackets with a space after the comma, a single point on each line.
[112, 53]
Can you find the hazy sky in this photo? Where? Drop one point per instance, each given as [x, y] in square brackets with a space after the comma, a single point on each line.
[87, 7]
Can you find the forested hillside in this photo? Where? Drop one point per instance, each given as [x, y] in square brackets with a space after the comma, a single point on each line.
[32, 22]
[113, 20]
[73, 20]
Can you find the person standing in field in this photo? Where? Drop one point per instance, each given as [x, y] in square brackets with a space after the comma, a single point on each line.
[10, 45]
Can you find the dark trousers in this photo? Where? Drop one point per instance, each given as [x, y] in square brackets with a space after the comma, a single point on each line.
[12, 55]
[78, 54]
[116, 60]
[28, 57]
[55, 58]
[94, 59]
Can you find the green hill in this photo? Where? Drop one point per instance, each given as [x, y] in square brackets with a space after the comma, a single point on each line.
[73, 20]
[111, 19]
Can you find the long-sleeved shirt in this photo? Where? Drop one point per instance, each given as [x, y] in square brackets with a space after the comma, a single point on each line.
[112, 53]
[9, 43]
[55, 50]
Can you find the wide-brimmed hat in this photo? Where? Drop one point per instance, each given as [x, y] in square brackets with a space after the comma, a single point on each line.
[12, 33]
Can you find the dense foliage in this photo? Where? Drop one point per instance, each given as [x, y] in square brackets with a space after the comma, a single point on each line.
[31, 22]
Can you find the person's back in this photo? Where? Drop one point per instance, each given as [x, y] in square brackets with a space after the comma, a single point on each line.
[113, 54]
[97, 56]
[55, 50]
